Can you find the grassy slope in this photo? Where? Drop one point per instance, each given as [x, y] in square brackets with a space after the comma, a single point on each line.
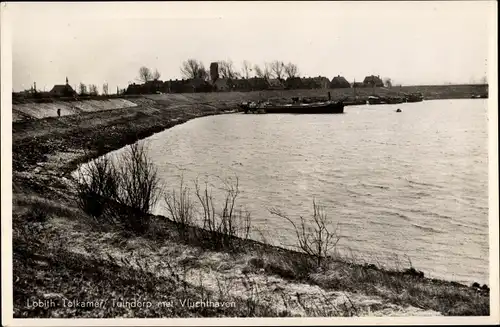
[223, 99]
[47, 234]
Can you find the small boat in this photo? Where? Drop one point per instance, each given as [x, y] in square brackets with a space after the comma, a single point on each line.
[327, 107]
[398, 110]
[355, 102]
[376, 100]
[394, 100]
[415, 97]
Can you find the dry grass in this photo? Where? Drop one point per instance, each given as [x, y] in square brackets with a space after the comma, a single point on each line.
[44, 266]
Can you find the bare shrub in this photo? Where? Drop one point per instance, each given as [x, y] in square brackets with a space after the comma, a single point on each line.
[317, 240]
[181, 208]
[121, 192]
[97, 184]
[227, 223]
[139, 181]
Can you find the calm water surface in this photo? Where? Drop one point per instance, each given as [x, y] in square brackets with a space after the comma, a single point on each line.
[400, 185]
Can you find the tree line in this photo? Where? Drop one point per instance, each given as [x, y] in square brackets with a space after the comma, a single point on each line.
[193, 68]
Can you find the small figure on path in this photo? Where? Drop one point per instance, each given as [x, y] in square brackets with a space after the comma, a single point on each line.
[59, 112]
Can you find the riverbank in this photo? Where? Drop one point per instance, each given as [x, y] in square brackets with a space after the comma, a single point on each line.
[61, 254]
[27, 109]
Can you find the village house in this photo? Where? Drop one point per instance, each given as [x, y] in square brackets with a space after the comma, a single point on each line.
[134, 89]
[258, 84]
[373, 81]
[222, 85]
[309, 83]
[339, 82]
[275, 84]
[176, 86]
[199, 85]
[62, 90]
[293, 83]
[150, 87]
[240, 84]
[322, 82]
[154, 86]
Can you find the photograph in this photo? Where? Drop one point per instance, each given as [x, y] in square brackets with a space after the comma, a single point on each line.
[293, 162]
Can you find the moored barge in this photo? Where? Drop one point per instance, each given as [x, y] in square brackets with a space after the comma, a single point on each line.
[327, 107]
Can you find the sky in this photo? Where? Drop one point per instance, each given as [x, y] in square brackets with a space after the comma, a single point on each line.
[425, 42]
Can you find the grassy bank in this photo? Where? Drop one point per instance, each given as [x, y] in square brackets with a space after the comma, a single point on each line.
[29, 109]
[63, 254]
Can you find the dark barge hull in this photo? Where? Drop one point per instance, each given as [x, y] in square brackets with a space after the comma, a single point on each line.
[326, 108]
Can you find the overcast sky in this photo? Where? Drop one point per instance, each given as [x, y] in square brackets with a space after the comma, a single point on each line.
[423, 42]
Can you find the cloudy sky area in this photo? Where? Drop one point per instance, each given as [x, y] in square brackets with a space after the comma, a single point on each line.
[424, 42]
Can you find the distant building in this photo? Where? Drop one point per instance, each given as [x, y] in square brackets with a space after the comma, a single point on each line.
[199, 85]
[322, 82]
[222, 85]
[373, 81]
[62, 90]
[214, 72]
[177, 86]
[258, 84]
[150, 87]
[240, 84]
[310, 83]
[339, 82]
[293, 83]
[135, 89]
[275, 84]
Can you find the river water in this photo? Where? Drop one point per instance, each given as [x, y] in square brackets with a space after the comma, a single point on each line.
[401, 187]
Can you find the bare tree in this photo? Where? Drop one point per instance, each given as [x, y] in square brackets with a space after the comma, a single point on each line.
[277, 69]
[388, 82]
[82, 88]
[193, 68]
[156, 75]
[203, 73]
[291, 70]
[263, 73]
[246, 69]
[93, 89]
[227, 70]
[105, 89]
[258, 71]
[145, 74]
[267, 70]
